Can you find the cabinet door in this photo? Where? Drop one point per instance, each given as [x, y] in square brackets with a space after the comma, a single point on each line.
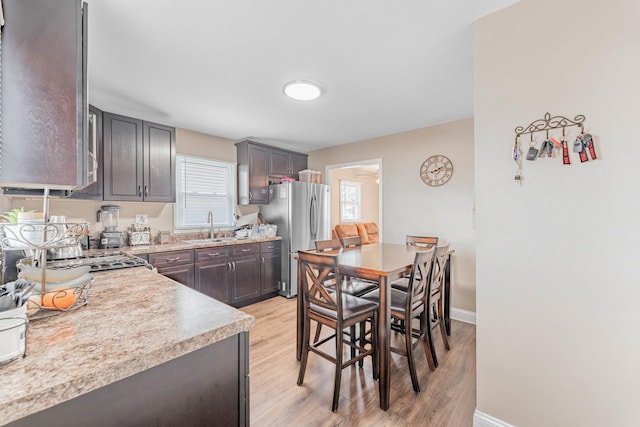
[44, 93]
[298, 163]
[258, 175]
[159, 151]
[183, 274]
[123, 162]
[271, 267]
[279, 164]
[94, 191]
[213, 278]
[246, 278]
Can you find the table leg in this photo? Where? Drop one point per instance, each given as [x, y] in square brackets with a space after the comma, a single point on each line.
[384, 335]
[447, 295]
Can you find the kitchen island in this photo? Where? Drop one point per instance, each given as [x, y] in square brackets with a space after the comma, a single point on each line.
[144, 351]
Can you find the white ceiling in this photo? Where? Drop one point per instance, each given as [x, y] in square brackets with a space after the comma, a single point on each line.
[218, 66]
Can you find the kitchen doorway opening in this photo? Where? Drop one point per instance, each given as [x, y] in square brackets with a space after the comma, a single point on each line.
[366, 176]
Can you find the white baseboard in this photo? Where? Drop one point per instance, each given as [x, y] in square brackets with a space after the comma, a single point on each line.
[480, 419]
[463, 315]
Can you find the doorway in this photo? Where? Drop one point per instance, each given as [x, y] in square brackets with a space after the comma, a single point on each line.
[363, 177]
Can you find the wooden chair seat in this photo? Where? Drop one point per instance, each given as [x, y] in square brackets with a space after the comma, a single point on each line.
[351, 307]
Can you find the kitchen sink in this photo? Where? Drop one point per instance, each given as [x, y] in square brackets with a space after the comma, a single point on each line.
[216, 240]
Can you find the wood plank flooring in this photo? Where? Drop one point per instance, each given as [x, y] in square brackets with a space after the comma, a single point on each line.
[448, 397]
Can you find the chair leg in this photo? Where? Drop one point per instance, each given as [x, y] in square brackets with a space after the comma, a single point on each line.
[443, 330]
[338, 377]
[409, 348]
[425, 327]
[352, 338]
[316, 338]
[305, 349]
[375, 357]
[432, 348]
[363, 331]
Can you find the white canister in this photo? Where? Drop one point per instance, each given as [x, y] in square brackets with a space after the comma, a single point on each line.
[13, 333]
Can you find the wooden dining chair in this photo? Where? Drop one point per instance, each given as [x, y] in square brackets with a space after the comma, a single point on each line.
[436, 301]
[425, 241]
[406, 306]
[335, 309]
[351, 242]
[352, 286]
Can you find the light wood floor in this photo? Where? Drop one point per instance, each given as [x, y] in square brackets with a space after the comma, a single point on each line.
[448, 396]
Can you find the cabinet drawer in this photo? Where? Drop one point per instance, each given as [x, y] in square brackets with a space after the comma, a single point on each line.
[215, 252]
[163, 259]
[246, 249]
[273, 246]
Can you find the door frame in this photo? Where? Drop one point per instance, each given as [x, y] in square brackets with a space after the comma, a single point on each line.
[377, 161]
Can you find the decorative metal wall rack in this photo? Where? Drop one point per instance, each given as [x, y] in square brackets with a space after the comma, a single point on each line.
[583, 142]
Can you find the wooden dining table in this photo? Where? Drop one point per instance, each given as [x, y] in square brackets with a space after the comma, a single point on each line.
[383, 262]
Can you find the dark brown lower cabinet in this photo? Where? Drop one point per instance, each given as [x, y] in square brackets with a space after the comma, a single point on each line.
[212, 278]
[181, 273]
[237, 275]
[207, 387]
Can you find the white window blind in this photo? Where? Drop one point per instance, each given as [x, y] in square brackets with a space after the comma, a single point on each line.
[204, 185]
[349, 201]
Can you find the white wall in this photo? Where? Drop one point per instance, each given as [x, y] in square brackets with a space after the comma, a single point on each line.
[411, 207]
[558, 335]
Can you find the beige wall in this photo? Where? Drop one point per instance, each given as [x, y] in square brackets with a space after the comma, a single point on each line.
[558, 335]
[160, 214]
[369, 194]
[411, 207]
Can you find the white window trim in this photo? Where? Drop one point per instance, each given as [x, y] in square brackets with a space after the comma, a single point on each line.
[180, 200]
[359, 203]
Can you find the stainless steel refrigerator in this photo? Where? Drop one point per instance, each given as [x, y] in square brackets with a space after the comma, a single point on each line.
[301, 210]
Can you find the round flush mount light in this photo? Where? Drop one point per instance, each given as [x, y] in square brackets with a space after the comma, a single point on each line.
[302, 90]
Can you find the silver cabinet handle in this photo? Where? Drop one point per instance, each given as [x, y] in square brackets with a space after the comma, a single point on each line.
[173, 259]
[233, 264]
[246, 250]
[262, 260]
[146, 191]
[271, 246]
[250, 195]
[140, 190]
[229, 266]
[216, 254]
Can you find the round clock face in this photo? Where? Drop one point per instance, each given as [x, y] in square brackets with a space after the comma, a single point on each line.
[436, 170]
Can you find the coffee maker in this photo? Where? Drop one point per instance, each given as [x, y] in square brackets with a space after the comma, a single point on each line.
[110, 236]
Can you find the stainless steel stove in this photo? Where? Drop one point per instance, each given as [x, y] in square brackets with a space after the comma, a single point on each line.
[101, 262]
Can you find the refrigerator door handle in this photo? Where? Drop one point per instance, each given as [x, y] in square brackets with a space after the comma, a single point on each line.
[312, 217]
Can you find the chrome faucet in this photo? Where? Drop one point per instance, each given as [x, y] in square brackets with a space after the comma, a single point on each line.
[212, 233]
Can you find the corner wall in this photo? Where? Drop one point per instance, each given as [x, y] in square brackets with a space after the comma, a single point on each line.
[411, 207]
[558, 341]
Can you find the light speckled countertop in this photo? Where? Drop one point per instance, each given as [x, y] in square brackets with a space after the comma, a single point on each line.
[135, 319]
[177, 246]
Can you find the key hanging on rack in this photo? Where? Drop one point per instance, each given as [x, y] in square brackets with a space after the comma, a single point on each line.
[517, 158]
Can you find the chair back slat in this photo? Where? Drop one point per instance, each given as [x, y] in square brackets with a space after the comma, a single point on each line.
[351, 242]
[437, 271]
[418, 286]
[316, 270]
[328, 245]
[423, 241]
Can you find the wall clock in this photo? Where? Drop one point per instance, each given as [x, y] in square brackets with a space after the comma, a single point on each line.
[436, 170]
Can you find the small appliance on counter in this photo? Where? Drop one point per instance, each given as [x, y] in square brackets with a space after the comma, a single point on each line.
[110, 236]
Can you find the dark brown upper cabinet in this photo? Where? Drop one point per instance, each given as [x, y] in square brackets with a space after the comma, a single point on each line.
[139, 160]
[259, 165]
[44, 94]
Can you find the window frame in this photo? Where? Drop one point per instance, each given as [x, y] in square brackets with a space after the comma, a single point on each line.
[358, 204]
[230, 196]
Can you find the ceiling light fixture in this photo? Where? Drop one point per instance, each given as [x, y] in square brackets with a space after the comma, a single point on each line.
[302, 90]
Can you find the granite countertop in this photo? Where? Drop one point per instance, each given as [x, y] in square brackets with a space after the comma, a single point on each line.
[135, 319]
[178, 246]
